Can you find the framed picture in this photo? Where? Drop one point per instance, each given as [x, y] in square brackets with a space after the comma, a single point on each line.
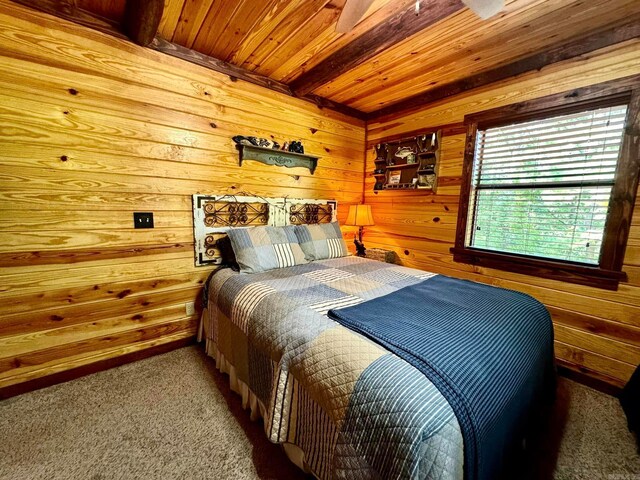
[394, 177]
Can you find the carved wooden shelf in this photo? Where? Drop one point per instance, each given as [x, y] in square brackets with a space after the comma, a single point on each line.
[282, 158]
[420, 172]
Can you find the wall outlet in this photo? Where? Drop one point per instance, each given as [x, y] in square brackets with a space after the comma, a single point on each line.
[190, 308]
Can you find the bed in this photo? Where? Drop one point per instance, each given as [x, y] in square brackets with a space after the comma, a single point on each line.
[340, 403]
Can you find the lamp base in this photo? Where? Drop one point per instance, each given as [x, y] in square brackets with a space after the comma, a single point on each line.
[360, 250]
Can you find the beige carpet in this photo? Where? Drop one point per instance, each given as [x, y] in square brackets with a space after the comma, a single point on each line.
[173, 416]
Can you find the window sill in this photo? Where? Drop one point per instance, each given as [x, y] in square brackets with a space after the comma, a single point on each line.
[566, 272]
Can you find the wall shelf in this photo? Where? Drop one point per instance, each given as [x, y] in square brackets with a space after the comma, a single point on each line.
[420, 172]
[281, 158]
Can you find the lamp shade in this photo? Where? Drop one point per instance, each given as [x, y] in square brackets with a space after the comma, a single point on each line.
[360, 216]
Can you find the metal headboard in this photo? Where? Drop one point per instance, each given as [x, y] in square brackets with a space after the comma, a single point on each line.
[213, 215]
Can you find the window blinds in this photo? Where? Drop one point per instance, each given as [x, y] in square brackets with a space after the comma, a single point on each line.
[542, 187]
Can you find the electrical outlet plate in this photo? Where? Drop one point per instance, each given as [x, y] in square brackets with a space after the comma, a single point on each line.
[142, 219]
[190, 308]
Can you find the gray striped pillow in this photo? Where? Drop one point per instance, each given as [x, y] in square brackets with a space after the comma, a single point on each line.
[321, 241]
[259, 249]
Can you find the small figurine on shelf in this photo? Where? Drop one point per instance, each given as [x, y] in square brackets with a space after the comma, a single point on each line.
[381, 151]
[241, 140]
[421, 140]
[404, 152]
[285, 146]
[296, 147]
[256, 142]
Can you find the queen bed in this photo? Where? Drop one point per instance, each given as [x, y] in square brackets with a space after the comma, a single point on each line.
[345, 402]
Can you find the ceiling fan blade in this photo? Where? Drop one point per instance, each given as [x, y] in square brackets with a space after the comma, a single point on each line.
[484, 8]
[351, 14]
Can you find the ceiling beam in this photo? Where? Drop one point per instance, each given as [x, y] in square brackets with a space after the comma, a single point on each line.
[68, 10]
[238, 73]
[141, 20]
[537, 61]
[384, 35]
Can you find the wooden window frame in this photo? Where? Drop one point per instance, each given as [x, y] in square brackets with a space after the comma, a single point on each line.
[609, 272]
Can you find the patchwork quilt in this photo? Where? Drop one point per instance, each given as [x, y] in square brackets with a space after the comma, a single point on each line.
[355, 409]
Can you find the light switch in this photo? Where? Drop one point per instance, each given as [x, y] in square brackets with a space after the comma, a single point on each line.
[142, 219]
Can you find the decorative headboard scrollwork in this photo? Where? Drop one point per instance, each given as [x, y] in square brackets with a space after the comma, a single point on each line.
[235, 214]
[213, 215]
[309, 213]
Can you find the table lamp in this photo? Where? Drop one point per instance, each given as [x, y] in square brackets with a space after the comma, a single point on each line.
[359, 216]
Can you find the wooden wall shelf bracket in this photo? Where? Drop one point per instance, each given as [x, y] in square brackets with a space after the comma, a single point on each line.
[282, 158]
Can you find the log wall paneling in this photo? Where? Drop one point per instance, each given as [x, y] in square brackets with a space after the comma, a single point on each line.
[596, 331]
[95, 128]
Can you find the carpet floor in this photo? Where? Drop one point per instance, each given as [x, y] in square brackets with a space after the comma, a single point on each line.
[173, 417]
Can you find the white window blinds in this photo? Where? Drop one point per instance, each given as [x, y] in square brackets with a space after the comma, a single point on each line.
[541, 188]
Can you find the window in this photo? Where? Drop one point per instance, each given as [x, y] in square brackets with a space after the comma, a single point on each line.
[545, 190]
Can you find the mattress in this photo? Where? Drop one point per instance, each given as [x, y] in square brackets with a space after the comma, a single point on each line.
[343, 406]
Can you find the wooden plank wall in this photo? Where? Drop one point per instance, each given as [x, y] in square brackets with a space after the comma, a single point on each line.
[596, 331]
[92, 129]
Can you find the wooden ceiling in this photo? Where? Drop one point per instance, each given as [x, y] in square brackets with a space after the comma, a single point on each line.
[294, 42]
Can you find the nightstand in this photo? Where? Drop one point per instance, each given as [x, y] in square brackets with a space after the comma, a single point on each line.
[381, 255]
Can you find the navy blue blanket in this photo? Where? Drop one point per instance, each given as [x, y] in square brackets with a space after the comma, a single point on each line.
[488, 350]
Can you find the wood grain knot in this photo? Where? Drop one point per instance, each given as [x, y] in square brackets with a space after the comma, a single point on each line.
[73, 91]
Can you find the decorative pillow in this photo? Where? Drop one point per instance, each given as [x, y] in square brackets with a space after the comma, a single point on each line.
[321, 241]
[259, 249]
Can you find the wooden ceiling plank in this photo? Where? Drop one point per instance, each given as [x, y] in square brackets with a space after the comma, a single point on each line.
[575, 48]
[170, 17]
[246, 17]
[141, 20]
[211, 28]
[323, 20]
[283, 31]
[191, 20]
[376, 40]
[279, 11]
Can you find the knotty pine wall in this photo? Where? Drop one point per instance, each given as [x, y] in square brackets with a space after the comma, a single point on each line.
[93, 128]
[597, 331]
